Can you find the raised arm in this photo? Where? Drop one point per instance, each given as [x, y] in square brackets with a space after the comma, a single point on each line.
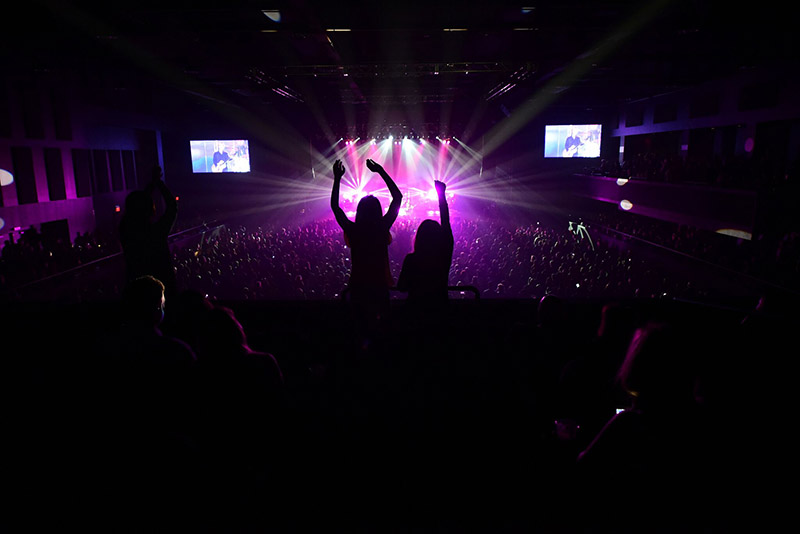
[167, 220]
[338, 212]
[444, 210]
[444, 214]
[397, 196]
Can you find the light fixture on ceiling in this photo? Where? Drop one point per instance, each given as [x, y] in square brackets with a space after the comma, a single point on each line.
[272, 14]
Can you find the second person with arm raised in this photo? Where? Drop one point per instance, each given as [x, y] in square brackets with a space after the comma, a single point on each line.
[426, 270]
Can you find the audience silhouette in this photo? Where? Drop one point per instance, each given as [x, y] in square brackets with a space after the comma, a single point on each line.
[239, 419]
[655, 457]
[426, 270]
[368, 238]
[588, 392]
[144, 238]
[148, 404]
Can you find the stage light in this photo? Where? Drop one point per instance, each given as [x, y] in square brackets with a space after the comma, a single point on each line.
[272, 14]
[6, 178]
[625, 204]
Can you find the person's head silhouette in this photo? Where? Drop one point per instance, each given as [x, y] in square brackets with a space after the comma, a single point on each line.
[222, 332]
[429, 237]
[369, 210]
[143, 300]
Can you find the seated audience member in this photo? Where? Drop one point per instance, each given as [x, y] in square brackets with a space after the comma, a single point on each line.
[148, 403]
[239, 420]
[651, 462]
[154, 369]
[588, 391]
[185, 320]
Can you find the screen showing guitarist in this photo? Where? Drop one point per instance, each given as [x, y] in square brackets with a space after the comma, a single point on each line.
[221, 159]
[572, 143]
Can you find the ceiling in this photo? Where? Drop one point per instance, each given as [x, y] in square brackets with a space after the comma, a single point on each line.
[424, 63]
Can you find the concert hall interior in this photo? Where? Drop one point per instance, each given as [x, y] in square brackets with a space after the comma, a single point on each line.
[614, 183]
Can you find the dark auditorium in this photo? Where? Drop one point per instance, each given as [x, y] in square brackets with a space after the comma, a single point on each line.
[305, 266]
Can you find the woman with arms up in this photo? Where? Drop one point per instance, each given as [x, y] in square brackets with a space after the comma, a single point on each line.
[368, 239]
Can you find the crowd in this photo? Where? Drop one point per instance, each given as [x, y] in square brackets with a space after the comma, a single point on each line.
[501, 261]
[311, 262]
[196, 423]
[33, 257]
[171, 410]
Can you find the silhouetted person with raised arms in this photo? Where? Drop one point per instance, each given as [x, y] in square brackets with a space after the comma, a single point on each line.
[144, 237]
[368, 238]
[426, 271]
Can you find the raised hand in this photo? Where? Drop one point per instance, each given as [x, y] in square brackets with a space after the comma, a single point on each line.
[440, 187]
[373, 166]
[157, 174]
[338, 169]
